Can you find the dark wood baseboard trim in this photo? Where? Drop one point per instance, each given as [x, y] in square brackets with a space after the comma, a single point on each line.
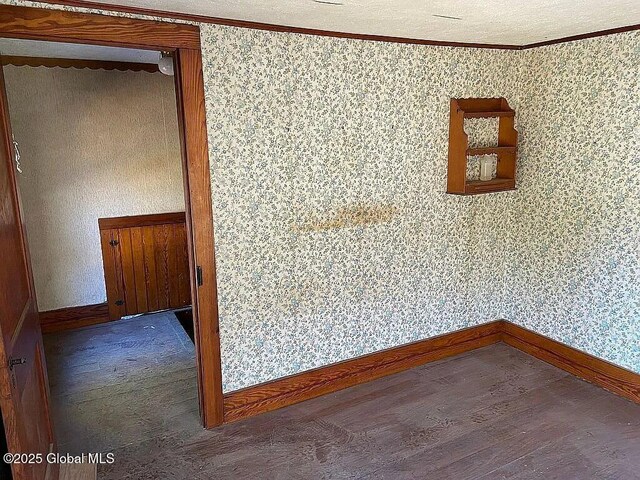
[313, 383]
[73, 317]
[611, 377]
[282, 392]
[285, 391]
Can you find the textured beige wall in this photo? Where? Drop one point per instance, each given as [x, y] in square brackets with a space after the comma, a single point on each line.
[94, 144]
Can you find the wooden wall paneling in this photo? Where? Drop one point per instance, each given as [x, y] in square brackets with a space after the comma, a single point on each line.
[149, 260]
[178, 266]
[150, 275]
[112, 274]
[139, 268]
[128, 271]
[160, 241]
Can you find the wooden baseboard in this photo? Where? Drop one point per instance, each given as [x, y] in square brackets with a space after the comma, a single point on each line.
[282, 392]
[611, 377]
[73, 317]
[285, 391]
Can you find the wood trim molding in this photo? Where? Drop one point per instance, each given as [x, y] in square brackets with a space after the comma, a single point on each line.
[282, 392]
[57, 25]
[312, 383]
[141, 220]
[199, 213]
[73, 317]
[184, 40]
[187, 17]
[148, 12]
[573, 38]
[611, 377]
[19, 61]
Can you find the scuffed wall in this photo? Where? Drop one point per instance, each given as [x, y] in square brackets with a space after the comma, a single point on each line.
[93, 143]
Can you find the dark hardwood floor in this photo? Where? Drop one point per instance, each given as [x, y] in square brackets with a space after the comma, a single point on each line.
[129, 387]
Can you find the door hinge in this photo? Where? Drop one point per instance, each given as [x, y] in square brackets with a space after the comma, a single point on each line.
[199, 275]
[16, 361]
[113, 243]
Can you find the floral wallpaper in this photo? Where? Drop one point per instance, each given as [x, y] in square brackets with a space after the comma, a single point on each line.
[334, 236]
[574, 256]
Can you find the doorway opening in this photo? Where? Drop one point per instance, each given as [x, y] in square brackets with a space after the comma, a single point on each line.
[25, 405]
[99, 173]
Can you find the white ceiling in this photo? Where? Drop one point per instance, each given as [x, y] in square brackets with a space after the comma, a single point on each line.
[516, 22]
[32, 48]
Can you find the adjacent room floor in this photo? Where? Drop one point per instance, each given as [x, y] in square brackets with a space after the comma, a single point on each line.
[129, 387]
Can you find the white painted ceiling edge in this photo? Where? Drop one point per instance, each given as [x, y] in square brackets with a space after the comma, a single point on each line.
[507, 22]
[36, 48]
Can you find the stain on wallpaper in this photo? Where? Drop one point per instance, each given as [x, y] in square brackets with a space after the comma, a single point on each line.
[334, 237]
[347, 217]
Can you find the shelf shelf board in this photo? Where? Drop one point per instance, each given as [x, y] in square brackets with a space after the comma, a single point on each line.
[473, 187]
[475, 151]
[507, 113]
[461, 154]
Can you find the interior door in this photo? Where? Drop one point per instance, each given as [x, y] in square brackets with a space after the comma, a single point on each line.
[24, 389]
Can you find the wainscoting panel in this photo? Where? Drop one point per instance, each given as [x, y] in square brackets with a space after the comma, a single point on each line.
[146, 263]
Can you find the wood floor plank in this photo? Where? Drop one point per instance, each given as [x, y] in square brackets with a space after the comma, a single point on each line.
[490, 413]
[78, 471]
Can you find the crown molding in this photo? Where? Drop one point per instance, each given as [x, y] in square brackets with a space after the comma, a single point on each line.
[191, 18]
[583, 36]
[163, 14]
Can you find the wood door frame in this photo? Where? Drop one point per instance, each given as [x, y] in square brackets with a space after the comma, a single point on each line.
[183, 40]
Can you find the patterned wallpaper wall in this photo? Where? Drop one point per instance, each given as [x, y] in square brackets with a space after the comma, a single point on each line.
[334, 237]
[574, 258]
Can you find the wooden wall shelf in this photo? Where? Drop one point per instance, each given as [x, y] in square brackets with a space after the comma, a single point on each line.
[459, 150]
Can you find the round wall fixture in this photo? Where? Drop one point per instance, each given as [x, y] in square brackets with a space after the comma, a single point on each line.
[165, 63]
